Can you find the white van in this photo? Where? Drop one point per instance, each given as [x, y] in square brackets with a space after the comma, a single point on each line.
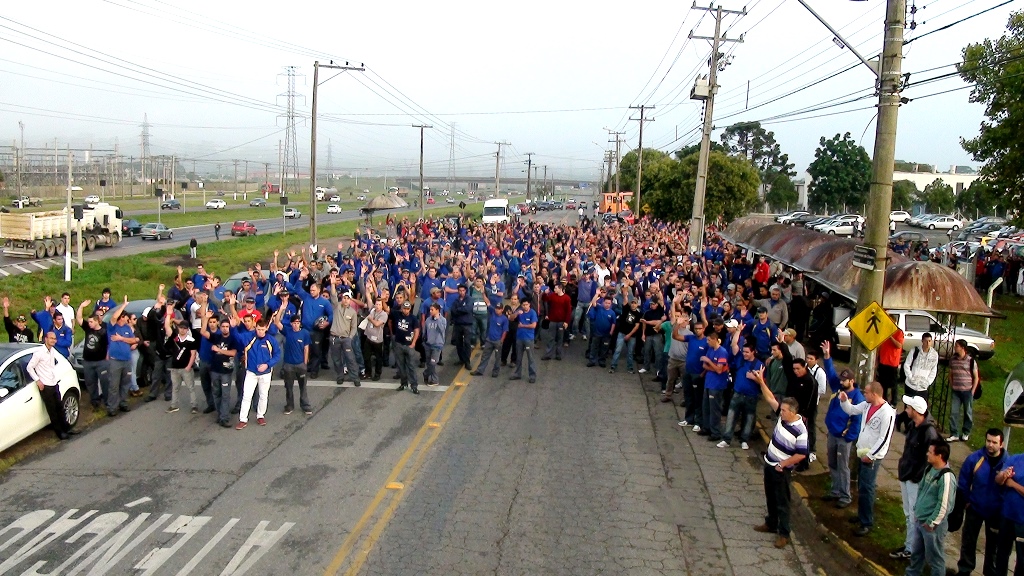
[496, 211]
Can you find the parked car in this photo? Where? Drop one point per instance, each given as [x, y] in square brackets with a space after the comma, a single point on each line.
[243, 228]
[837, 228]
[916, 220]
[942, 223]
[22, 411]
[907, 236]
[626, 216]
[92, 200]
[789, 216]
[155, 231]
[234, 282]
[130, 227]
[216, 205]
[292, 213]
[333, 209]
[816, 221]
[360, 197]
[171, 204]
[523, 208]
[802, 220]
[257, 202]
[899, 216]
[914, 323]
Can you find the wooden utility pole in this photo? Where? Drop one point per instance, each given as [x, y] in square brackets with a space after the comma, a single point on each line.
[497, 169]
[640, 151]
[529, 164]
[421, 127]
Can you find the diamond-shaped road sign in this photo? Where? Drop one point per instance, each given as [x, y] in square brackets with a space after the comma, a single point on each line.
[462, 205]
[872, 326]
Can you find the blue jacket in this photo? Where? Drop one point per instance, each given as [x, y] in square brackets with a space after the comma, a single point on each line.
[313, 308]
[839, 423]
[764, 335]
[983, 495]
[601, 320]
[258, 351]
[65, 338]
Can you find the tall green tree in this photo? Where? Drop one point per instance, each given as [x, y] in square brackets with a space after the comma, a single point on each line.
[751, 141]
[781, 194]
[840, 174]
[731, 188]
[937, 197]
[627, 170]
[904, 193]
[996, 68]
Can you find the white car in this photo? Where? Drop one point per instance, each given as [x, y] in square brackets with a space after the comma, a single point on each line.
[899, 216]
[216, 205]
[785, 218]
[942, 223]
[837, 228]
[292, 213]
[360, 197]
[22, 412]
[92, 200]
[335, 198]
[333, 209]
[450, 200]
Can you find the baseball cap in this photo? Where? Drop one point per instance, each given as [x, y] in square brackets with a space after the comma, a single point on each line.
[846, 374]
[762, 309]
[917, 403]
[250, 299]
[790, 332]
[407, 305]
[21, 318]
[731, 323]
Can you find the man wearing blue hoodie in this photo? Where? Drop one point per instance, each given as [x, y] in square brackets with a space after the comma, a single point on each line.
[843, 428]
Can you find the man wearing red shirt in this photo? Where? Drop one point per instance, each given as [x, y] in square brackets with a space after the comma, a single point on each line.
[761, 271]
[889, 356]
[558, 316]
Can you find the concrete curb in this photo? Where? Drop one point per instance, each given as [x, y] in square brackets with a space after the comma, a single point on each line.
[864, 563]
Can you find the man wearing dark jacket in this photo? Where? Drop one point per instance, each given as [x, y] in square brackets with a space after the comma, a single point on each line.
[913, 464]
[463, 332]
[984, 503]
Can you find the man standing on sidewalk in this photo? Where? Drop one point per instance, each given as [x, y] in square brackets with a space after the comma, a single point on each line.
[843, 429]
[913, 464]
[920, 367]
[963, 381]
[984, 503]
[934, 502]
[877, 418]
[787, 448]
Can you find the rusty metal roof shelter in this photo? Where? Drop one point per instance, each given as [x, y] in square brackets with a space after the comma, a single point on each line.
[828, 260]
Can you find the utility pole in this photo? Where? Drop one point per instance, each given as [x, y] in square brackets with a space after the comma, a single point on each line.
[67, 235]
[21, 154]
[497, 169]
[235, 162]
[640, 151]
[608, 158]
[312, 143]
[421, 127]
[890, 84]
[696, 236]
[529, 164]
[545, 186]
[174, 182]
[618, 157]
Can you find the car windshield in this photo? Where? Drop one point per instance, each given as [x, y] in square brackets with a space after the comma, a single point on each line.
[494, 210]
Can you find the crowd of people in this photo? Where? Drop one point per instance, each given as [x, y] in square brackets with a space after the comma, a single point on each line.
[719, 330]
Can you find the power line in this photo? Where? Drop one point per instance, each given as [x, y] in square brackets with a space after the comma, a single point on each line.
[948, 26]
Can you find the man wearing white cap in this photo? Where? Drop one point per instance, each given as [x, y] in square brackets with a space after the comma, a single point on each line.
[913, 464]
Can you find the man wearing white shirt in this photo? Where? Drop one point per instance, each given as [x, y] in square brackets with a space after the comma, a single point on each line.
[65, 307]
[42, 368]
[920, 366]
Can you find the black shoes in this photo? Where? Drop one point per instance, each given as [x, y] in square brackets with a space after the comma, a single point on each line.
[533, 380]
[209, 409]
[148, 399]
[124, 408]
[515, 378]
[400, 388]
[476, 373]
[862, 531]
[415, 390]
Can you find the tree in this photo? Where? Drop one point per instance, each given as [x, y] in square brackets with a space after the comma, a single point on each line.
[627, 169]
[751, 141]
[996, 68]
[979, 198]
[937, 197]
[903, 194]
[781, 193]
[731, 188]
[840, 173]
[904, 166]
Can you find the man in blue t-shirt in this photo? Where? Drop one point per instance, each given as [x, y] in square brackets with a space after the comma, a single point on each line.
[693, 379]
[525, 335]
[716, 364]
[744, 398]
[497, 331]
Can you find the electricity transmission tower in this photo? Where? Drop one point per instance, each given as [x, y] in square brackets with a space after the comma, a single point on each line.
[290, 154]
[145, 151]
[451, 160]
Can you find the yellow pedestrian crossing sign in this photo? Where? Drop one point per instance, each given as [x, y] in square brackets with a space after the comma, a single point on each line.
[872, 326]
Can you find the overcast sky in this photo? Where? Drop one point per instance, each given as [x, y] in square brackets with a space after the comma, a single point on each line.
[547, 77]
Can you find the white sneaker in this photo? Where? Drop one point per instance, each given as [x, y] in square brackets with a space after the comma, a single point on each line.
[744, 446]
[964, 438]
[642, 371]
[813, 457]
[722, 444]
[696, 428]
[684, 423]
[953, 439]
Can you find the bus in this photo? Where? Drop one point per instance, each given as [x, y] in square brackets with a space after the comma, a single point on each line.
[615, 202]
[496, 210]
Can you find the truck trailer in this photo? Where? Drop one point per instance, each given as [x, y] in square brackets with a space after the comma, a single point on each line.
[44, 234]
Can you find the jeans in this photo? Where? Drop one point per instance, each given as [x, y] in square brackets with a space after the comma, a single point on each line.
[743, 406]
[316, 339]
[490, 347]
[160, 380]
[599, 345]
[134, 386]
[463, 335]
[961, 405]
[1011, 536]
[629, 345]
[693, 395]
[927, 547]
[183, 377]
[253, 382]
[433, 355]
[96, 379]
[776, 495]
[120, 381]
[908, 494]
[525, 350]
[220, 382]
[357, 351]
[554, 335]
[839, 467]
[343, 356]
[292, 373]
[653, 345]
[407, 362]
[969, 543]
[480, 326]
[867, 475]
[206, 382]
[580, 313]
[713, 412]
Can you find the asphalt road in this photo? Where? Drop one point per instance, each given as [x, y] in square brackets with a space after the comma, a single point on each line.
[583, 472]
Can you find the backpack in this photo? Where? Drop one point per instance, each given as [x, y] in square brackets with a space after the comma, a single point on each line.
[956, 516]
[913, 359]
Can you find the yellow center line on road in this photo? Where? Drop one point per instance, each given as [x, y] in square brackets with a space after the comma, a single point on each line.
[447, 404]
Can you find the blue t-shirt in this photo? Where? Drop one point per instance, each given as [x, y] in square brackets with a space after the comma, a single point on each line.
[697, 347]
[294, 342]
[744, 385]
[526, 318]
[492, 292]
[119, 350]
[713, 380]
[497, 325]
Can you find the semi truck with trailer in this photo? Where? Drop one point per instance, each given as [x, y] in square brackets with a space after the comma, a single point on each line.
[44, 234]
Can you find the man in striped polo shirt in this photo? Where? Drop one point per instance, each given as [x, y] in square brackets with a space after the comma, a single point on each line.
[788, 447]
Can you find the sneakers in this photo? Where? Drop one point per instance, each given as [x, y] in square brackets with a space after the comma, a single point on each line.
[684, 423]
[965, 438]
[642, 371]
[900, 553]
[195, 410]
[744, 446]
[172, 409]
[630, 370]
[723, 444]
[696, 428]
[813, 457]
[953, 438]
[240, 425]
[287, 410]
[862, 531]
[261, 421]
